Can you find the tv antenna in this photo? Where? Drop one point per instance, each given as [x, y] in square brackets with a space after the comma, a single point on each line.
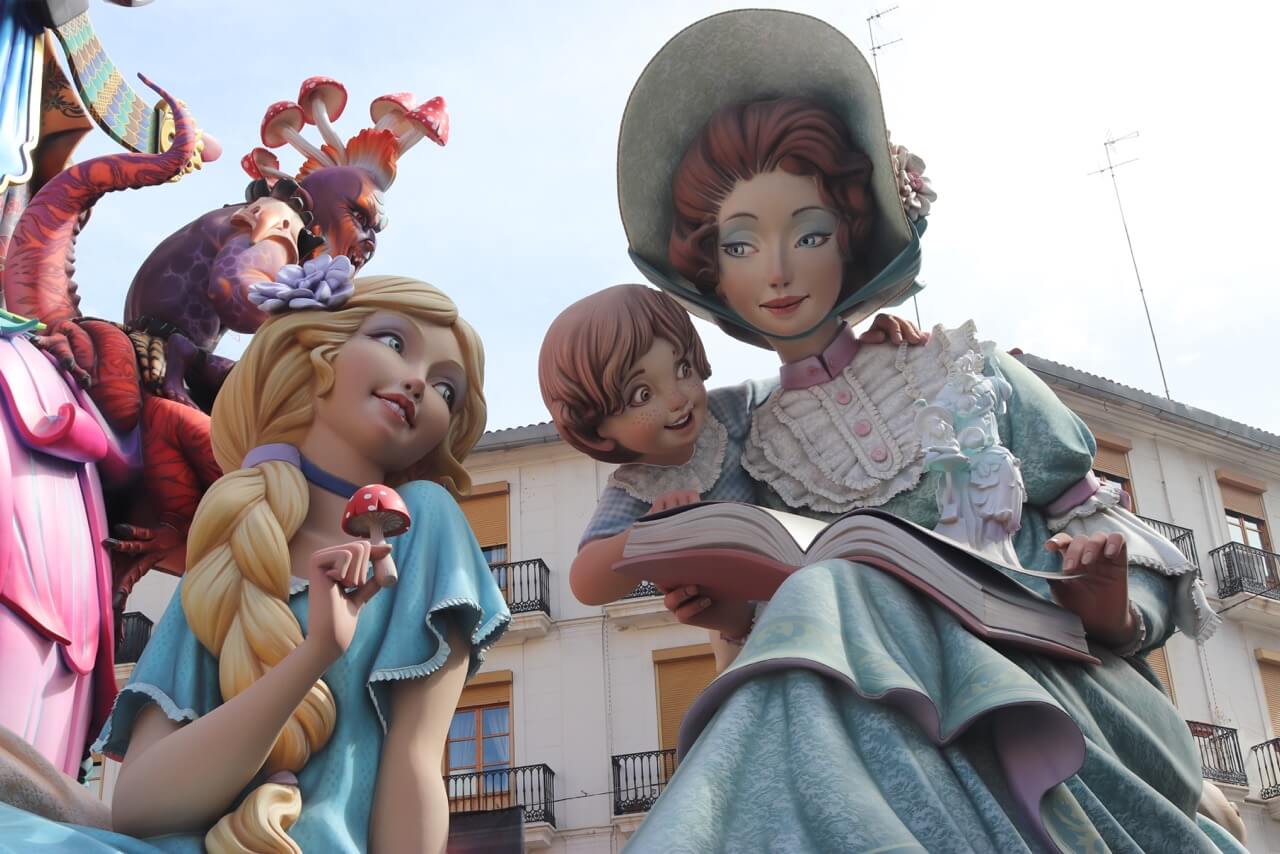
[876, 47]
[1111, 168]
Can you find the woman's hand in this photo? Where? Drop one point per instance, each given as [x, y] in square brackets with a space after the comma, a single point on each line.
[893, 330]
[1098, 590]
[676, 498]
[332, 611]
[731, 618]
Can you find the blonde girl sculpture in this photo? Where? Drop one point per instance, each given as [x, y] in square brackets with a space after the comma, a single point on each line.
[290, 700]
[757, 185]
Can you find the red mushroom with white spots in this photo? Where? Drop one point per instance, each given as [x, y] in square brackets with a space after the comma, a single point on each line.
[261, 163]
[388, 111]
[430, 120]
[376, 512]
[322, 100]
[282, 123]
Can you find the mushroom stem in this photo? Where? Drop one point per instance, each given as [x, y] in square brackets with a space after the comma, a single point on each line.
[268, 172]
[409, 138]
[300, 143]
[326, 129]
[384, 569]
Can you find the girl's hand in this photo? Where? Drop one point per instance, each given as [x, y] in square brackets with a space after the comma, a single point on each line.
[678, 498]
[332, 610]
[1098, 590]
[731, 618]
[888, 328]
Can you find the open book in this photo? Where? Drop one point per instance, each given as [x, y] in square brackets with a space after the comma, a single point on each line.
[740, 551]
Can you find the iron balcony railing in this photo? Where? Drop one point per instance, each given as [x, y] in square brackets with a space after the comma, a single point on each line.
[1219, 753]
[135, 631]
[526, 585]
[1244, 569]
[1267, 755]
[638, 779]
[531, 787]
[1181, 537]
[643, 589]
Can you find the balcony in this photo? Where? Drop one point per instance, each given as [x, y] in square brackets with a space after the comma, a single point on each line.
[640, 608]
[1219, 753]
[638, 779]
[528, 787]
[135, 631]
[1245, 569]
[1181, 537]
[1267, 755]
[526, 585]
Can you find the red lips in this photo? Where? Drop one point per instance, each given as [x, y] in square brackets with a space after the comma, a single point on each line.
[407, 407]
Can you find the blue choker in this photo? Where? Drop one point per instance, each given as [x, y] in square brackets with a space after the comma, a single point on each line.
[286, 453]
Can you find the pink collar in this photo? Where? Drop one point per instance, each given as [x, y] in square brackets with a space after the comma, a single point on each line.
[822, 368]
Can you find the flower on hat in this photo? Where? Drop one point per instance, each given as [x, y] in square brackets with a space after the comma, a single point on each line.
[322, 282]
[914, 188]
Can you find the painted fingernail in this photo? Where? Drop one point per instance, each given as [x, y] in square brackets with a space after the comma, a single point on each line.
[705, 603]
[1087, 559]
[692, 591]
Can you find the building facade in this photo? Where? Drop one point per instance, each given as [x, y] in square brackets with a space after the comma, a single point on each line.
[571, 723]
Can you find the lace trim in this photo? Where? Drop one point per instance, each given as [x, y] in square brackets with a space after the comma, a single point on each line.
[813, 479]
[1139, 635]
[648, 482]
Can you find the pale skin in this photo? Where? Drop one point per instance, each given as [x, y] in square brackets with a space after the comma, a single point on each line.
[780, 269]
[156, 793]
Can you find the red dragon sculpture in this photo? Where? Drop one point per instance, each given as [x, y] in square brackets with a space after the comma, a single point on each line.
[149, 373]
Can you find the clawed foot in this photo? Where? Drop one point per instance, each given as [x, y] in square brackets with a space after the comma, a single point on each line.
[173, 388]
[136, 550]
[72, 348]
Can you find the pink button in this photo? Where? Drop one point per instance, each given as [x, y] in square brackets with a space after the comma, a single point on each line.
[813, 370]
[863, 428]
[879, 455]
[843, 397]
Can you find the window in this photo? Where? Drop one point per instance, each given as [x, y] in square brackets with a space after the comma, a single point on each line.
[681, 675]
[487, 509]
[479, 744]
[1159, 662]
[1269, 670]
[1245, 513]
[1111, 463]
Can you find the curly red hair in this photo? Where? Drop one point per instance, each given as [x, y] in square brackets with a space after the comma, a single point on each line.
[797, 135]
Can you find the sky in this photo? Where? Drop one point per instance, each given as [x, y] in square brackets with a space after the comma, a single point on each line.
[1008, 102]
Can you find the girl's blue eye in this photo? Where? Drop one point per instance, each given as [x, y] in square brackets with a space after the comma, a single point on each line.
[737, 249]
[640, 396]
[447, 392]
[683, 369]
[395, 342]
[816, 238]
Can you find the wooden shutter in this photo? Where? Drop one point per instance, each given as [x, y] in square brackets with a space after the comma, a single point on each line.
[1113, 455]
[1270, 671]
[487, 689]
[1242, 494]
[681, 675]
[1159, 662]
[486, 510]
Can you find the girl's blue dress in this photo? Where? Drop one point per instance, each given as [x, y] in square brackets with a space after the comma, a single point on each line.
[400, 635]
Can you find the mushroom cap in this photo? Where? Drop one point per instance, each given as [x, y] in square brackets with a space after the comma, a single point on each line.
[435, 117]
[328, 90]
[281, 115]
[375, 502]
[401, 102]
[256, 159]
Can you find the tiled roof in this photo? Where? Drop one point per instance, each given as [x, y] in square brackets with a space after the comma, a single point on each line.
[1095, 386]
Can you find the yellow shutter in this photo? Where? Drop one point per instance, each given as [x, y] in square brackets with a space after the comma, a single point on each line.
[1242, 501]
[680, 681]
[1271, 688]
[1159, 662]
[486, 511]
[487, 689]
[1112, 461]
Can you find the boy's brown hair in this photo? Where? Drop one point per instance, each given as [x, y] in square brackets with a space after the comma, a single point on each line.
[590, 350]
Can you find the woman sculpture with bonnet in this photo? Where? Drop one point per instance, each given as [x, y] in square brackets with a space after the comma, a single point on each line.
[758, 187]
[293, 699]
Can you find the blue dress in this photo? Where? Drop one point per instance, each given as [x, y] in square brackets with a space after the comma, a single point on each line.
[400, 635]
[861, 716]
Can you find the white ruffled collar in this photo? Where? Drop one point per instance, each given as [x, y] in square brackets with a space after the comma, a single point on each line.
[647, 482]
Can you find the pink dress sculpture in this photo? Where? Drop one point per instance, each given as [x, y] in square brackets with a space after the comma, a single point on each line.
[56, 649]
